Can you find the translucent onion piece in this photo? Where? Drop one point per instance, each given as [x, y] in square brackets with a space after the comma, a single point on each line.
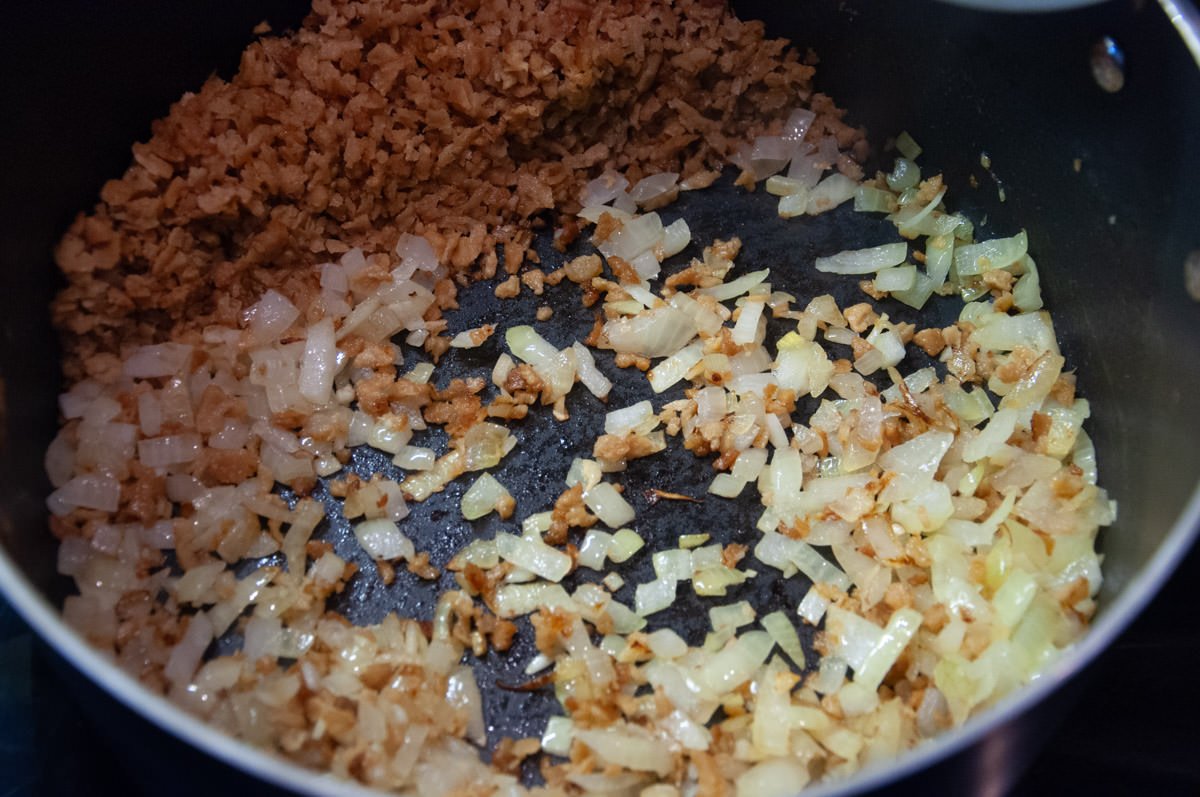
[830, 192]
[735, 665]
[270, 316]
[812, 607]
[186, 655]
[897, 278]
[650, 188]
[775, 777]
[91, 491]
[784, 634]
[654, 596]
[416, 254]
[591, 377]
[797, 124]
[608, 505]
[900, 629]
[673, 565]
[550, 364]
[159, 359]
[603, 189]
[905, 174]
[638, 418]
[557, 738]
[658, 332]
[864, 261]
[973, 259]
[513, 600]
[594, 549]
[628, 746]
[536, 557]
[484, 496]
[676, 367]
[625, 543]
[319, 363]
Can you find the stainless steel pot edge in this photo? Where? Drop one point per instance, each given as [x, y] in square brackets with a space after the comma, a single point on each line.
[1186, 19]
[1113, 619]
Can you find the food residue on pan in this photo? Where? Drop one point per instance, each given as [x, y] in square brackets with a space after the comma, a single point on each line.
[239, 311]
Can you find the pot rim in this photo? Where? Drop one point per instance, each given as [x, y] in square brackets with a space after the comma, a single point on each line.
[1112, 620]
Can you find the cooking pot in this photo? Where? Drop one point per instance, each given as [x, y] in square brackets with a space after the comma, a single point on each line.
[1102, 180]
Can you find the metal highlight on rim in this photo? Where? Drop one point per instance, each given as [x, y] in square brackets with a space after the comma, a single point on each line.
[1186, 19]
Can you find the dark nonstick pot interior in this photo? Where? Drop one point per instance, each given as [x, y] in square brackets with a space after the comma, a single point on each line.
[1101, 182]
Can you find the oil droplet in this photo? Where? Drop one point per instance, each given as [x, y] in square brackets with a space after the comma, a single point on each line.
[1108, 65]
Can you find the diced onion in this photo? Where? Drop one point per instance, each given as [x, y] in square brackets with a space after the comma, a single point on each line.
[591, 377]
[625, 543]
[830, 192]
[513, 600]
[603, 189]
[735, 665]
[91, 491]
[415, 458]
[637, 418]
[159, 359]
[320, 360]
[905, 174]
[416, 254]
[382, 539]
[993, 436]
[608, 505]
[157, 452]
[594, 549]
[784, 634]
[549, 363]
[864, 261]
[463, 693]
[481, 553]
[536, 557]
[557, 738]
[797, 124]
[654, 596]
[650, 188]
[673, 565]
[972, 259]
[185, 656]
[657, 332]
[613, 581]
[812, 607]
[666, 643]
[676, 367]
[897, 278]
[899, 631]
[743, 284]
[628, 746]
[775, 777]
[484, 496]
[270, 317]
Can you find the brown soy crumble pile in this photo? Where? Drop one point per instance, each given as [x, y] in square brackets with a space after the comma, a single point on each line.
[462, 122]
